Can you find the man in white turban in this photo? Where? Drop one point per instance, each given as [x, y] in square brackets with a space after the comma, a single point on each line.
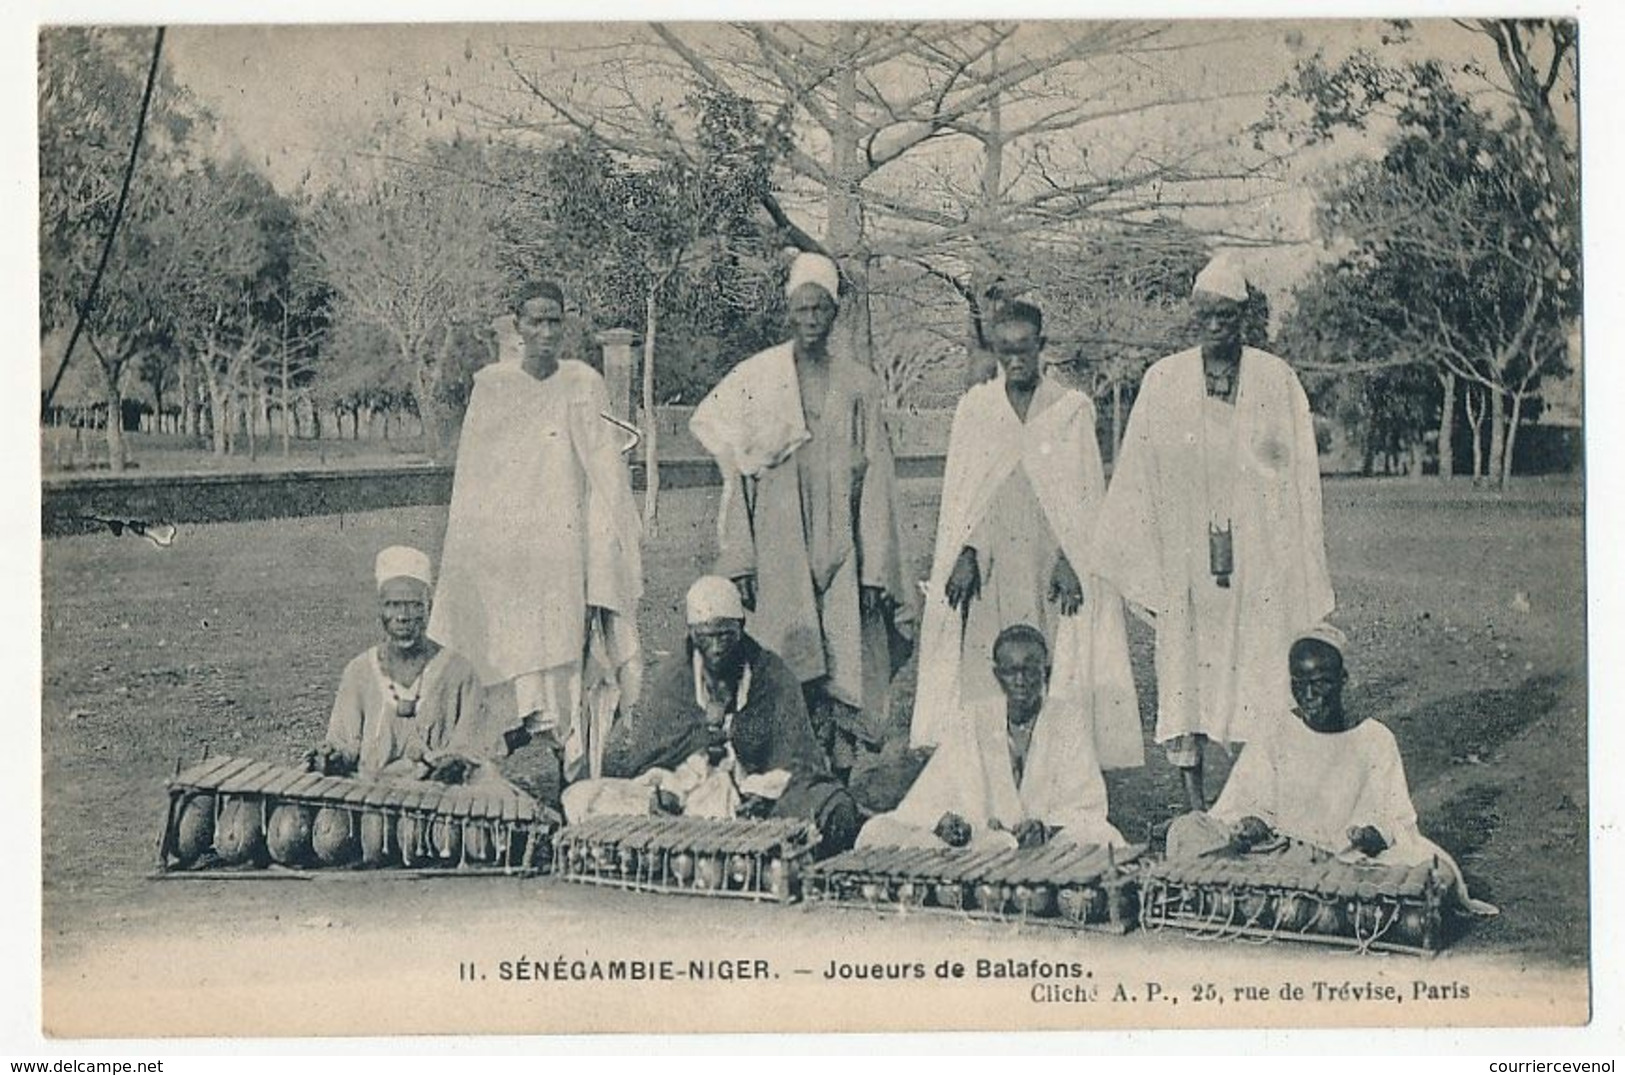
[1319, 782]
[1212, 527]
[721, 732]
[409, 707]
[808, 527]
[542, 566]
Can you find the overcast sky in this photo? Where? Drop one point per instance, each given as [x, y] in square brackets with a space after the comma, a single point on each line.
[300, 99]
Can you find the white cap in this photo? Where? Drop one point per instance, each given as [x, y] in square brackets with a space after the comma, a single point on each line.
[1223, 279]
[1325, 632]
[812, 268]
[403, 562]
[713, 597]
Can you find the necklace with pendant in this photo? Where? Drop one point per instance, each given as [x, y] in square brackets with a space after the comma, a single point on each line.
[1220, 385]
[405, 699]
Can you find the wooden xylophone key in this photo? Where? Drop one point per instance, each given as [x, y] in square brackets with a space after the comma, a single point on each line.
[242, 779]
[912, 868]
[206, 774]
[637, 862]
[989, 894]
[910, 863]
[1415, 880]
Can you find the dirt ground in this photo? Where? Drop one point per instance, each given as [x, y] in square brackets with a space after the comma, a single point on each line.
[1465, 609]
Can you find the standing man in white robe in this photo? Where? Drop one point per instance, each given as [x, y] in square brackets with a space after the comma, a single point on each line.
[1021, 772]
[542, 569]
[1020, 493]
[808, 525]
[1212, 526]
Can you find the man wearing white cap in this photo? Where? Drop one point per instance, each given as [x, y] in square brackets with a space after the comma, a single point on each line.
[408, 707]
[542, 565]
[1212, 526]
[808, 527]
[1319, 781]
[721, 731]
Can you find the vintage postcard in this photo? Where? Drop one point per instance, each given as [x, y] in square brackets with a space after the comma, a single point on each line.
[635, 527]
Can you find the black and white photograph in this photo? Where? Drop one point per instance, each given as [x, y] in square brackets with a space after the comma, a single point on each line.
[706, 527]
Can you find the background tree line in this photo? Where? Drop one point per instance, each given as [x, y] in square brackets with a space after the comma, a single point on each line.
[948, 167]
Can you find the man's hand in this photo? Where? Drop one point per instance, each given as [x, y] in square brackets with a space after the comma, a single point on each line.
[1367, 840]
[754, 806]
[1031, 833]
[329, 760]
[746, 585]
[1250, 831]
[1065, 588]
[965, 583]
[450, 769]
[667, 803]
[953, 830]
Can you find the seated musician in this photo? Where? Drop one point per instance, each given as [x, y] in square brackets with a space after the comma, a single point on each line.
[1318, 784]
[408, 707]
[1019, 770]
[721, 731]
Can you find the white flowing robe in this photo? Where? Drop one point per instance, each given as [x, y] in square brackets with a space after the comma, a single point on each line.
[972, 775]
[1315, 786]
[809, 507]
[1220, 662]
[1055, 451]
[543, 526]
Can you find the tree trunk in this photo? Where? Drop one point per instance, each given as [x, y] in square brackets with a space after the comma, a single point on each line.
[1477, 424]
[1498, 433]
[251, 404]
[219, 422]
[1511, 438]
[430, 414]
[115, 414]
[651, 423]
[187, 418]
[1447, 428]
[980, 363]
[1117, 417]
[846, 239]
[287, 406]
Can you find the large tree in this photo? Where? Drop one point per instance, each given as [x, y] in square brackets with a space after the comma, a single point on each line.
[92, 82]
[220, 257]
[880, 118]
[412, 255]
[1463, 237]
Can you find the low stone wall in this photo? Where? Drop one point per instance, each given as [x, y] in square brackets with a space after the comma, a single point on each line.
[212, 498]
[913, 433]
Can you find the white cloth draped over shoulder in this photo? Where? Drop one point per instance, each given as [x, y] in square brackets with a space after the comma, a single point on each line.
[1056, 449]
[1153, 541]
[1314, 786]
[971, 775]
[753, 419]
[809, 508]
[543, 526]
